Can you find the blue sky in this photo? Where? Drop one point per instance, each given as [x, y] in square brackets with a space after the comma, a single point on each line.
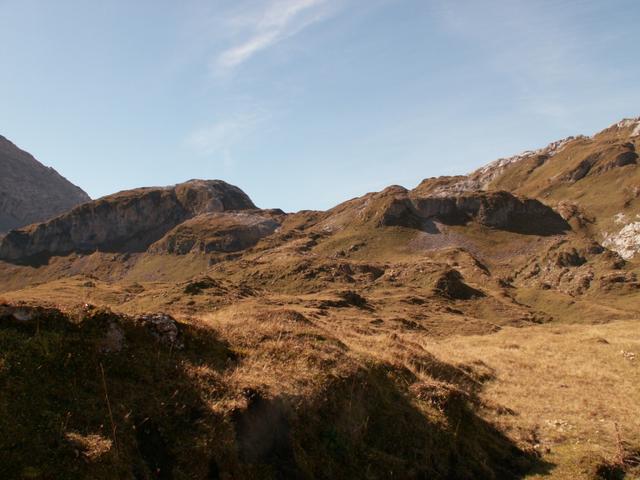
[306, 103]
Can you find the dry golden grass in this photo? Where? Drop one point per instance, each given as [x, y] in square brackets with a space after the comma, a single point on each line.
[91, 447]
[562, 390]
[567, 387]
[569, 384]
[281, 350]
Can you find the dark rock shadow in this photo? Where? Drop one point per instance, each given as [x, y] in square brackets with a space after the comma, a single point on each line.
[430, 226]
[450, 284]
[499, 210]
[536, 225]
[34, 261]
[347, 298]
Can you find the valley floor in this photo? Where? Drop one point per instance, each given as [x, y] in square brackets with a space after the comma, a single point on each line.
[555, 400]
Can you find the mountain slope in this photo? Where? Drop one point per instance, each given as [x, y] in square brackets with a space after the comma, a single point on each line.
[594, 182]
[31, 192]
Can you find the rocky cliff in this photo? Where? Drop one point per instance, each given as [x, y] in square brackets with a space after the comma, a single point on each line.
[128, 221]
[31, 192]
[397, 206]
[594, 180]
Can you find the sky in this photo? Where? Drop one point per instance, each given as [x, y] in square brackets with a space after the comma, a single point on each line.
[306, 103]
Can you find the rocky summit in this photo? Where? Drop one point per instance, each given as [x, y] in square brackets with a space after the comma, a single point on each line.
[31, 192]
[483, 326]
[126, 221]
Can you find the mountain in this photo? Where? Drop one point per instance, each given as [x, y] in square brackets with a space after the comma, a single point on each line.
[478, 326]
[594, 182]
[31, 192]
[126, 221]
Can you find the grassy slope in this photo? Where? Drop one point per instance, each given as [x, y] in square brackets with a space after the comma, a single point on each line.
[573, 387]
[253, 394]
[601, 195]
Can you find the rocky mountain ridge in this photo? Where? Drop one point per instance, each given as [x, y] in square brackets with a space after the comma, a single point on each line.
[597, 176]
[206, 216]
[127, 221]
[31, 192]
[557, 175]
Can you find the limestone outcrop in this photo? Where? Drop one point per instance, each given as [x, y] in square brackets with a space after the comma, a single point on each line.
[127, 221]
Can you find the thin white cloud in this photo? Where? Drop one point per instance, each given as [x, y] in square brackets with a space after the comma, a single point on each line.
[220, 137]
[250, 27]
[241, 53]
[276, 21]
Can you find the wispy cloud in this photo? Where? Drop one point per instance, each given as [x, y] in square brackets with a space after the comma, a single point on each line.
[260, 28]
[240, 33]
[221, 136]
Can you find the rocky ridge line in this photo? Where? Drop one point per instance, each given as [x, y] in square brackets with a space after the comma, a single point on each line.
[31, 192]
[127, 221]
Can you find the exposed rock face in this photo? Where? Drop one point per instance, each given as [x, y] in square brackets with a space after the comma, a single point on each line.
[31, 192]
[396, 206]
[629, 126]
[163, 327]
[626, 242]
[217, 232]
[500, 210]
[450, 284]
[611, 151]
[588, 179]
[126, 221]
[482, 178]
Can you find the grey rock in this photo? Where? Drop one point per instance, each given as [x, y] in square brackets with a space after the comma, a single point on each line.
[127, 221]
[114, 339]
[163, 327]
[31, 192]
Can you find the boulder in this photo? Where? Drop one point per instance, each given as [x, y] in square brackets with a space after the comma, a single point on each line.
[163, 327]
